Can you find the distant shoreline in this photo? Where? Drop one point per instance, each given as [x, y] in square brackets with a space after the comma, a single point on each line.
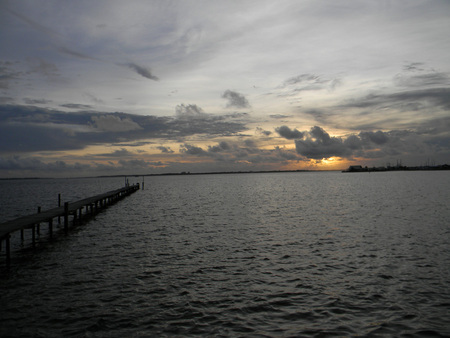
[351, 169]
[359, 169]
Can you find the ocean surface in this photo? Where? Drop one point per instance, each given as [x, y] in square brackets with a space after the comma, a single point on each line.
[315, 254]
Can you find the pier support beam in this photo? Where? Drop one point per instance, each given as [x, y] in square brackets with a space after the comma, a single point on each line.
[8, 250]
[50, 228]
[66, 216]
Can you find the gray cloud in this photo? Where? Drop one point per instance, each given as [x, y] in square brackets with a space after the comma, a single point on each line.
[71, 52]
[75, 106]
[36, 101]
[261, 131]
[30, 128]
[245, 153]
[8, 74]
[279, 116]
[165, 150]
[235, 100]
[118, 153]
[309, 82]
[192, 150]
[143, 71]
[422, 80]
[287, 133]
[318, 144]
[190, 111]
[42, 67]
[434, 97]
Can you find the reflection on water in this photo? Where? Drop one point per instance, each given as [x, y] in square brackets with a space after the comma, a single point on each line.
[287, 254]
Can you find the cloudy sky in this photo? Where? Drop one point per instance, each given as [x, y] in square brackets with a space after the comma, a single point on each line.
[136, 87]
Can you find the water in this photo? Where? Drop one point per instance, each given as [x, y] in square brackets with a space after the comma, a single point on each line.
[285, 254]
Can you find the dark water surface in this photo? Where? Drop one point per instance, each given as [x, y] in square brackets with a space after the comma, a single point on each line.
[285, 254]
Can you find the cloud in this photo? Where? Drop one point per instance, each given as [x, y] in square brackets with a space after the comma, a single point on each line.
[242, 154]
[287, 133]
[192, 150]
[31, 128]
[261, 131]
[279, 116]
[71, 52]
[36, 101]
[222, 146]
[42, 67]
[190, 111]
[112, 123]
[118, 153]
[76, 106]
[310, 82]
[165, 150]
[235, 100]
[143, 71]
[8, 74]
[437, 97]
[318, 144]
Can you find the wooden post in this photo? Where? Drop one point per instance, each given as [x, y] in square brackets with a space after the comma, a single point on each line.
[66, 216]
[38, 225]
[59, 204]
[8, 251]
[142, 182]
[50, 227]
[33, 236]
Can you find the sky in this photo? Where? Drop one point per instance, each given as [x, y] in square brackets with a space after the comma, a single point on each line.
[111, 87]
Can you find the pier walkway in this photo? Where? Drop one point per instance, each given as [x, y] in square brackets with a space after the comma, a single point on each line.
[92, 204]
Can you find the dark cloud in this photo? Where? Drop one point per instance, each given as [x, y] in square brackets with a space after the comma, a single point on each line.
[235, 100]
[287, 133]
[422, 80]
[222, 146]
[319, 115]
[434, 97]
[190, 111]
[71, 52]
[76, 106]
[143, 71]
[30, 128]
[191, 119]
[165, 150]
[279, 116]
[414, 66]
[318, 144]
[118, 153]
[33, 165]
[377, 137]
[259, 130]
[36, 101]
[309, 82]
[242, 153]
[192, 150]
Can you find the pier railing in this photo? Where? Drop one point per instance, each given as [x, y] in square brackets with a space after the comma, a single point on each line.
[75, 209]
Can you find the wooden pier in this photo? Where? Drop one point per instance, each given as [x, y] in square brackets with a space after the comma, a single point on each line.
[91, 205]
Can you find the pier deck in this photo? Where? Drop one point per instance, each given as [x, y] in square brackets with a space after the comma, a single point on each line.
[75, 209]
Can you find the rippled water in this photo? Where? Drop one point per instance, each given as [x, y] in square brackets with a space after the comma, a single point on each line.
[285, 254]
